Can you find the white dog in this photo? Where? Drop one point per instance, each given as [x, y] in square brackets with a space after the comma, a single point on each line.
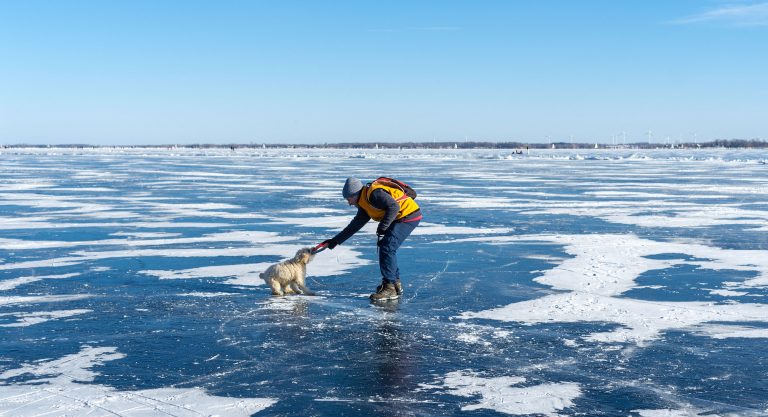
[287, 277]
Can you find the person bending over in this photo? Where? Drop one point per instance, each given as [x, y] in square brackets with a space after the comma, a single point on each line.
[397, 214]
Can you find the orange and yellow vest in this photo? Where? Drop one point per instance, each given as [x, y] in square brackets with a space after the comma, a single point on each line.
[407, 205]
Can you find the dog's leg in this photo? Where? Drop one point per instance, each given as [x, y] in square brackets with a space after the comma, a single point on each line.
[275, 288]
[301, 285]
[289, 289]
[301, 288]
[304, 289]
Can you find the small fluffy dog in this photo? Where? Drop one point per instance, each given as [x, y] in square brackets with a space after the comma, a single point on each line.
[287, 277]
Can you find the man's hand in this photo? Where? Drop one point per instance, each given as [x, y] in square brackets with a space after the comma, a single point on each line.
[330, 243]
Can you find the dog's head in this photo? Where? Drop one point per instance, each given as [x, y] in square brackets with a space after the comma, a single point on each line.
[304, 255]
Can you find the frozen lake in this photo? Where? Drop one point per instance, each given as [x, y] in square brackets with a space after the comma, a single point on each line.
[557, 283]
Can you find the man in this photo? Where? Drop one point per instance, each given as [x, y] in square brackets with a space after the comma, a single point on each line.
[387, 203]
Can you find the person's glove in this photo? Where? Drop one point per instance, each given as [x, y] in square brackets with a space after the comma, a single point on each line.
[379, 236]
[330, 243]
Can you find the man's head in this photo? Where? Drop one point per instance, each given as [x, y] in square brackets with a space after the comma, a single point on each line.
[351, 190]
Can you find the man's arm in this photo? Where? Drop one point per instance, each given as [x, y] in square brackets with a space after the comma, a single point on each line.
[357, 223]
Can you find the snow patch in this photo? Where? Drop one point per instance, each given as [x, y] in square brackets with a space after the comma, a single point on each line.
[10, 284]
[604, 267]
[29, 319]
[64, 387]
[721, 331]
[501, 394]
[340, 261]
[37, 299]
[440, 229]
[207, 294]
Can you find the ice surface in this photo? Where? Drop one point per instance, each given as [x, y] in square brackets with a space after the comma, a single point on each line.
[66, 388]
[559, 282]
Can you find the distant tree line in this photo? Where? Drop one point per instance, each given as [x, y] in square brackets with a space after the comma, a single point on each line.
[719, 143]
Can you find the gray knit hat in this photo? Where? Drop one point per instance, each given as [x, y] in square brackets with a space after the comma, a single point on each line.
[352, 187]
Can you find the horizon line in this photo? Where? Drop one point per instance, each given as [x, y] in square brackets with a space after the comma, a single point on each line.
[420, 144]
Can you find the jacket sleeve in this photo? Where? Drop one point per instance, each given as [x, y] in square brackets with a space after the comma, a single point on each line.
[383, 201]
[357, 223]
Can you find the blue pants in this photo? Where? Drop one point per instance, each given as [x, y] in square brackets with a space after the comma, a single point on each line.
[388, 245]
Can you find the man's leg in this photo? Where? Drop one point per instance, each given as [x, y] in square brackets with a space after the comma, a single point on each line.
[388, 246]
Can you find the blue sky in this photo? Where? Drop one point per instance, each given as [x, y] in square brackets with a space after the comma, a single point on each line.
[161, 72]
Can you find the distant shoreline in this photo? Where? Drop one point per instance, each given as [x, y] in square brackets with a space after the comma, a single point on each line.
[727, 144]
